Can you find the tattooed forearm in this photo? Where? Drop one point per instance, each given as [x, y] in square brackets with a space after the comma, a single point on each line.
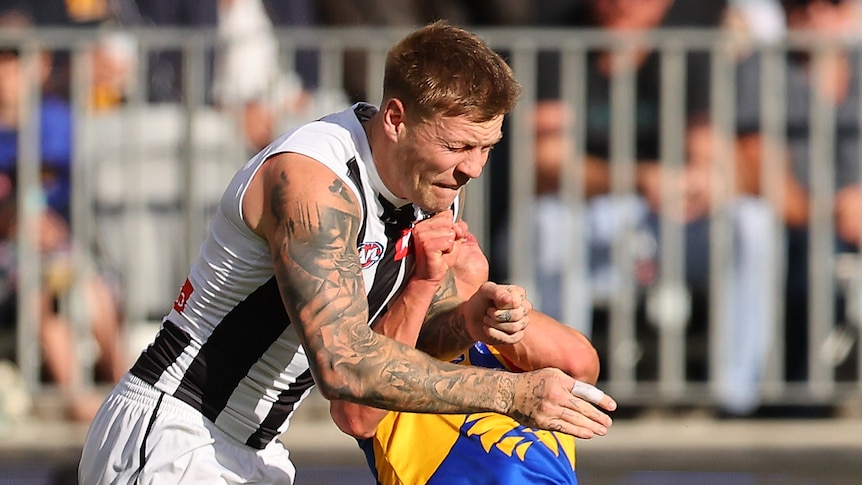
[444, 333]
[448, 388]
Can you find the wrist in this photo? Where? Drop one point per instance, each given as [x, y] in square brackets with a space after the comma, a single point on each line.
[423, 285]
[472, 316]
[506, 393]
[421, 291]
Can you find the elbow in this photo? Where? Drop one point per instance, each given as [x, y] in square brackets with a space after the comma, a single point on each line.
[354, 419]
[583, 363]
[352, 426]
[333, 382]
[335, 385]
[328, 391]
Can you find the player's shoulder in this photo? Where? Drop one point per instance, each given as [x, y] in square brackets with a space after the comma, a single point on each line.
[329, 143]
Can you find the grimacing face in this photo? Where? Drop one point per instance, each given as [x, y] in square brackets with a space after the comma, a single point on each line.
[437, 157]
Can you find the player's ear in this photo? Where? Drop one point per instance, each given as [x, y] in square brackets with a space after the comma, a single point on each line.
[393, 118]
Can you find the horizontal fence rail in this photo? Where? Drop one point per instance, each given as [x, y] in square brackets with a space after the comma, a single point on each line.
[146, 176]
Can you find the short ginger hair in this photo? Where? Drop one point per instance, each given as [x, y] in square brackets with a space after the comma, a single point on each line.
[442, 70]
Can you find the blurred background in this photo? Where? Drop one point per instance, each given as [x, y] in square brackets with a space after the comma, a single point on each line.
[680, 181]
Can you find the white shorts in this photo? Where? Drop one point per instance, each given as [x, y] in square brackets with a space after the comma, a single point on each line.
[143, 436]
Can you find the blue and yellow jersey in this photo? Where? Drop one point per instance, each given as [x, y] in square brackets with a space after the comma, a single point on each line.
[483, 448]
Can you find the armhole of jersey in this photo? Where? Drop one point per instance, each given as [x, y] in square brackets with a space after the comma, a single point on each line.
[353, 184]
[305, 150]
[238, 199]
[355, 177]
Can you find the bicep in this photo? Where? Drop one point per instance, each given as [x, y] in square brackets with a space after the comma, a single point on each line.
[549, 343]
[311, 220]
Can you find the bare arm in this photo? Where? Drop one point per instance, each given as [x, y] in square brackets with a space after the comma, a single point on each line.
[311, 221]
[472, 267]
[549, 343]
[848, 206]
[403, 320]
[789, 198]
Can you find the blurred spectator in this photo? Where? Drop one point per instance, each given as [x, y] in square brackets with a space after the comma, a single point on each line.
[55, 118]
[114, 62]
[491, 12]
[297, 13]
[379, 13]
[249, 76]
[39, 12]
[165, 73]
[840, 90]
[248, 73]
[747, 313]
[412, 13]
[55, 134]
[113, 56]
[761, 20]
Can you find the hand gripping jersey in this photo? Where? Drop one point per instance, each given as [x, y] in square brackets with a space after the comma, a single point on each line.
[226, 348]
[471, 449]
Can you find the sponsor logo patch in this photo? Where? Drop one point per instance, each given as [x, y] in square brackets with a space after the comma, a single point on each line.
[183, 298]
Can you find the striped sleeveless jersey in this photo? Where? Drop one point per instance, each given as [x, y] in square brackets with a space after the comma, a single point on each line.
[226, 347]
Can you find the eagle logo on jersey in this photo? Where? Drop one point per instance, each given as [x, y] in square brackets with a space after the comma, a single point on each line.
[515, 440]
[370, 253]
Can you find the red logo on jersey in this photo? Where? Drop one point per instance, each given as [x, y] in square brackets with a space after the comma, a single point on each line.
[185, 293]
[402, 245]
[370, 253]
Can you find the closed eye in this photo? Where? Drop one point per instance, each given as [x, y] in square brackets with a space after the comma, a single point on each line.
[459, 148]
[467, 148]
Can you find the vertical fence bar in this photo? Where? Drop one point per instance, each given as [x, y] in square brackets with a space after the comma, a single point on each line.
[668, 303]
[331, 66]
[30, 206]
[522, 181]
[81, 217]
[855, 296]
[376, 62]
[773, 176]
[195, 86]
[133, 204]
[577, 295]
[821, 264]
[722, 258]
[623, 342]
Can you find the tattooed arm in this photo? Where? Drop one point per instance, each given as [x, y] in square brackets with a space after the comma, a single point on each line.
[311, 222]
[436, 243]
[432, 238]
[546, 342]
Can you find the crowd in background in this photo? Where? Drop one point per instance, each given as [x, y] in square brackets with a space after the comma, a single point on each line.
[246, 77]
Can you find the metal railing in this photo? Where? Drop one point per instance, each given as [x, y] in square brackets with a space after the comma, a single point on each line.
[146, 176]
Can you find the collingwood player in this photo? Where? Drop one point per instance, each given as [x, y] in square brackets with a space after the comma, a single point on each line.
[309, 245]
